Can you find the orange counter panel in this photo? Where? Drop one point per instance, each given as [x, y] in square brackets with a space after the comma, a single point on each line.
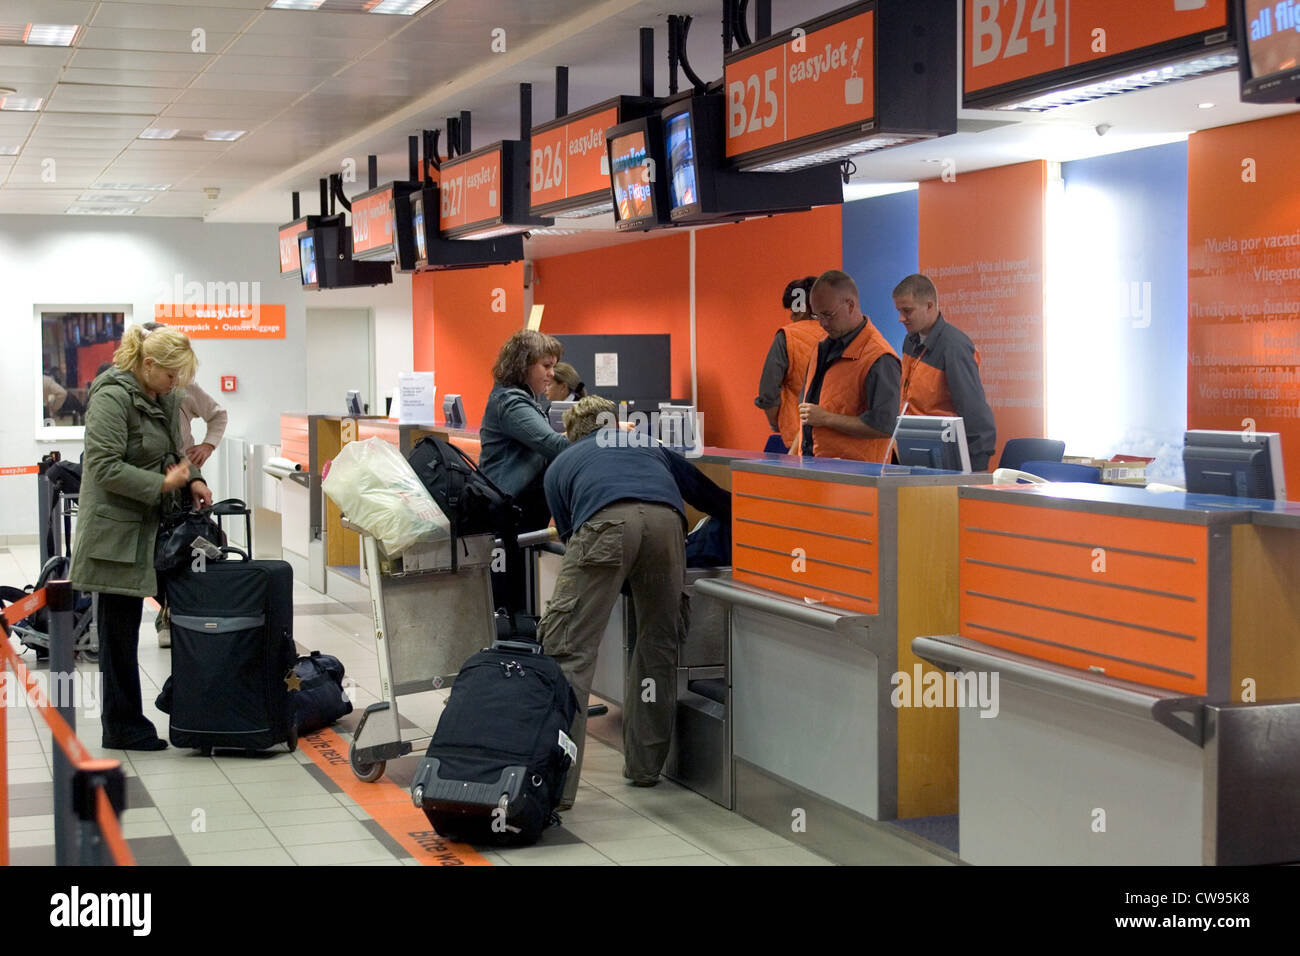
[834, 525]
[1127, 596]
[294, 443]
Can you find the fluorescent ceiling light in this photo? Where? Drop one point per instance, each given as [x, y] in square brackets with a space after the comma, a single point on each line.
[403, 8]
[295, 4]
[134, 186]
[154, 132]
[224, 135]
[835, 154]
[9, 150]
[101, 210]
[1157, 76]
[50, 34]
[24, 104]
[1205, 106]
[112, 197]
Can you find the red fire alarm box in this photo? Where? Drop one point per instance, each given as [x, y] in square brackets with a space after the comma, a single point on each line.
[227, 383]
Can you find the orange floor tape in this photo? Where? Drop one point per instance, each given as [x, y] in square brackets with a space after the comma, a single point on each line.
[389, 805]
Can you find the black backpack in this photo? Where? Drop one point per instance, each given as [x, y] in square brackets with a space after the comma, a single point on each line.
[318, 699]
[471, 502]
[495, 768]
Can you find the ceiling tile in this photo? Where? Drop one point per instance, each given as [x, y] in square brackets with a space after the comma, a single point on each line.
[251, 98]
[153, 16]
[137, 61]
[73, 93]
[278, 66]
[222, 115]
[34, 56]
[126, 122]
[154, 41]
[46, 11]
[272, 44]
[242, 81]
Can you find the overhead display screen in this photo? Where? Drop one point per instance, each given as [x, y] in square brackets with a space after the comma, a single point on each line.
[633, 191]
[1273, 36]
[681, 160]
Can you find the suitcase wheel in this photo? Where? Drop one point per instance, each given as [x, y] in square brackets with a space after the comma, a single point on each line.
[365, 772]
[205, 750]
[292, 740]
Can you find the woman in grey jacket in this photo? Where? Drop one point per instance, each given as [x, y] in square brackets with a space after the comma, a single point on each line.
[517, 440]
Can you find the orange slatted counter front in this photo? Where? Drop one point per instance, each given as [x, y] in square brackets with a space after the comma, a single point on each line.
[837, 566]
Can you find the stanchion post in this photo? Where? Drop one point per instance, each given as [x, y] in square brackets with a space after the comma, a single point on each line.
[59, 600]
[85, 783]
[4, 756]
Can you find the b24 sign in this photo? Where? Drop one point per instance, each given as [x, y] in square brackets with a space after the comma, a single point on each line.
[1011, 40]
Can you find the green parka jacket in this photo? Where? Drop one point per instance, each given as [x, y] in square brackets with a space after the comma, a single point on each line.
[128, 438]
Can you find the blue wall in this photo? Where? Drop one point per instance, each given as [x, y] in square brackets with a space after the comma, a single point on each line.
[1117, 307]
[880, 248]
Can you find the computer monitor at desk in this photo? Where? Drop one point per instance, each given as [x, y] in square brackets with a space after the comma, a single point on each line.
[1240, 464]
[931, 441]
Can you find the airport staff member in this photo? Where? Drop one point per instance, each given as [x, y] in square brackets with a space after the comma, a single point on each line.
[941, 368]
[618, 506]
[850, 402]
[781, 383]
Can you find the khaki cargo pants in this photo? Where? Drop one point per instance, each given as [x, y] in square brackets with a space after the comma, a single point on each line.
[644, 544]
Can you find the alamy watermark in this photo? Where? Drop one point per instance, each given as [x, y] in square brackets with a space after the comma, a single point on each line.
[978, 689]
[675, 428]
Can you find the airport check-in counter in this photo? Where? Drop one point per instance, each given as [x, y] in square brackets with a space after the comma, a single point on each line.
[837, 566]
[1147, 653]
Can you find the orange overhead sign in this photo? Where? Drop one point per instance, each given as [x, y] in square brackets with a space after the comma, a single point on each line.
[221, 321]
[7, 470]
[289, 262]
[372, 221]
[470, 191]
[1007, 41]
[569, 160]
[811, 83]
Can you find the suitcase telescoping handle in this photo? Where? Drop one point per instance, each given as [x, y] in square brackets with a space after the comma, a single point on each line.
[233, 506]
[519, 647]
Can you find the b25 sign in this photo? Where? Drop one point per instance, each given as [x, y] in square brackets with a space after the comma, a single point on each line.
[811, 83]
[1011, 40]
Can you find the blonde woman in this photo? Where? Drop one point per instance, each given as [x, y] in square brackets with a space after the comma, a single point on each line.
[133, 462]
[567, 386]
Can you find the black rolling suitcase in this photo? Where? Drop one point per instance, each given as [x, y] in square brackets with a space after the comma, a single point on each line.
[232, 652]
[494, 771]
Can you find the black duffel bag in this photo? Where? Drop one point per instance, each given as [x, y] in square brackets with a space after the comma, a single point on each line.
[318, 699]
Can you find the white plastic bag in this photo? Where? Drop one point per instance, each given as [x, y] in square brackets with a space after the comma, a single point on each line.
[377, 490]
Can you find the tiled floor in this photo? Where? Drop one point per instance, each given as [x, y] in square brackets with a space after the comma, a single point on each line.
[278, 808]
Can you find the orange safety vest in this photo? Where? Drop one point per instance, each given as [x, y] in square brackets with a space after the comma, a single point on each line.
[842, 388]
[801, 340]
[925, 388]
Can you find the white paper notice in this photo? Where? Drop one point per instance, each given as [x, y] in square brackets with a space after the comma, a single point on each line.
[415, 394]
[607, 370]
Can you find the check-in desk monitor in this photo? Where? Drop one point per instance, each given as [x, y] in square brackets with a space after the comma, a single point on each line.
[932, 441]
[1237, 463]
[453, 410]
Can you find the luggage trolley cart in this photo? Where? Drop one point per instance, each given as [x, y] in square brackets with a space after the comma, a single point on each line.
[429, 619]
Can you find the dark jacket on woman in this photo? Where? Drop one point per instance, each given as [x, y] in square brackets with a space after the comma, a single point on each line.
[517, 442]
[128, 438]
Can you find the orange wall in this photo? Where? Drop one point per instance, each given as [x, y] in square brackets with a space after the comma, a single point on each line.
[460, 319]
[982, 242]
[640, 288]
[1243, 336]
[741, 271]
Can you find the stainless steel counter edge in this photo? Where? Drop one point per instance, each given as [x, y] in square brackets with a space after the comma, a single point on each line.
[1277, 519]
[849, 478]
[952, 650]
[1202, 517]
[853, 626]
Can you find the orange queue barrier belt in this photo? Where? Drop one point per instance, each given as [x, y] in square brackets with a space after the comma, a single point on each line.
[63, 735]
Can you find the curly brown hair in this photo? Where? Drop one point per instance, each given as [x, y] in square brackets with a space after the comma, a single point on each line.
[521, 351]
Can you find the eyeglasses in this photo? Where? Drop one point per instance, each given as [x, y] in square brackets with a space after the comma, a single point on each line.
[827, 316]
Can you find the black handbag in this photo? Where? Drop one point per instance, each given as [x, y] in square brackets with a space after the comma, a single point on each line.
[176, 536]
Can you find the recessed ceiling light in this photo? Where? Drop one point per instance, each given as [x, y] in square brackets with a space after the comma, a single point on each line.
[116, 197]
[1205, 106]
[9, 150]
[135, 186]
[154, 132]
[22, 104]
[295, 4]
[403, 8]
[50, 34]
[76, 210]
[224, 135]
